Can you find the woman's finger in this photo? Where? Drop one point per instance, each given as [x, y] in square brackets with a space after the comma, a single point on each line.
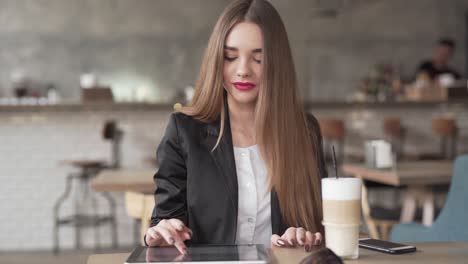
[277, 241]
[290, 236]
[172, 237]
[153, 234]
[177, 224]
[318, 238]
[187, 236]
[153, 238]
[179, 244]
[165, 234]
[309, 241]
[180, 227]
[300, 236]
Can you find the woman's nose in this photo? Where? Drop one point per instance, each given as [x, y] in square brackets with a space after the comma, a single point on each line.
[242, 74]
[243, 69]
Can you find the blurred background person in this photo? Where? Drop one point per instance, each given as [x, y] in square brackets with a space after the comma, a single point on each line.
[439, 64]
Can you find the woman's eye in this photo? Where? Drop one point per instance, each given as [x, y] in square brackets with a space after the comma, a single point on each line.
[229, 58]
[257, 61]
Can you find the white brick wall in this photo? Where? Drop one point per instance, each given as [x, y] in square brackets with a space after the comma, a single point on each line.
[31, 146]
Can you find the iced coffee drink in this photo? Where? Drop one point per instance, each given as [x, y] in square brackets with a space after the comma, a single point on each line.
[341, 215]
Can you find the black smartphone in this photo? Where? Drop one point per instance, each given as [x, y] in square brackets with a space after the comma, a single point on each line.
[385, 246]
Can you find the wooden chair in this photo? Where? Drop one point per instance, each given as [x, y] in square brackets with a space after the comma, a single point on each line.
[380, 220]
[97, 95]
[379, 227]
[446, 129]
[333, 132]
[140, 206]
[395, 133]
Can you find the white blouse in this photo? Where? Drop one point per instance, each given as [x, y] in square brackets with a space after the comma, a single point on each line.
[254, 212]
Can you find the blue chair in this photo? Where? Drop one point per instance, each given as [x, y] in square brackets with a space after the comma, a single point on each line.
[452, 222]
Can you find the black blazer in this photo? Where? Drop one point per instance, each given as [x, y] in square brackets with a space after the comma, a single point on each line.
[199, 187]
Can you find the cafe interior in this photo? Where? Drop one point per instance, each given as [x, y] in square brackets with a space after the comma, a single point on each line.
[87, 88]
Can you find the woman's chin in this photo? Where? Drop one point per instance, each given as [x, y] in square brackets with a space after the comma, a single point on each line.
[244, 97]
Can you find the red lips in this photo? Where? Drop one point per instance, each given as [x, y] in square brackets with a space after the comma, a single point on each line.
[244, 86]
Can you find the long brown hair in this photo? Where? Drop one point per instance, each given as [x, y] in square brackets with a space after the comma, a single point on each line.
[283, 136]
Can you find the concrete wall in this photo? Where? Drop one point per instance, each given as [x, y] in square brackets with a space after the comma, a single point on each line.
[129, 44]
[158, 45]
[400, 32]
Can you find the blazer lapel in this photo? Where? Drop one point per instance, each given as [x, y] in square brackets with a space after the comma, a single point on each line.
[223, 156]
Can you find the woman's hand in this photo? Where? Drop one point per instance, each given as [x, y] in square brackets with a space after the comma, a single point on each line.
[297, 237]
[169, 232]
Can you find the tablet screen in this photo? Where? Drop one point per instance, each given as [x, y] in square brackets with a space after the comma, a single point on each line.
[201, 254]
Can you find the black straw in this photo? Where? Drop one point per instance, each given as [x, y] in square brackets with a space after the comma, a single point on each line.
[334, 162]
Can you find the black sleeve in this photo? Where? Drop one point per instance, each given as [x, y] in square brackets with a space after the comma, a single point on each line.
[425, 66]
[314, 128]
[456, 74]
[171, 177]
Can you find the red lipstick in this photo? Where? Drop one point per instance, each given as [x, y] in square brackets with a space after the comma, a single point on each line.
[244, 86]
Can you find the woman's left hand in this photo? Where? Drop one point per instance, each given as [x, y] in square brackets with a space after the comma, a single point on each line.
[297, 236]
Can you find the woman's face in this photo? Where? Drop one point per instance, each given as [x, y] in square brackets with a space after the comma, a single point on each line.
[243, 62]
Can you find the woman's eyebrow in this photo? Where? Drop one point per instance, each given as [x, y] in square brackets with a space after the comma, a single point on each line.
[236, 49]
[230, 48]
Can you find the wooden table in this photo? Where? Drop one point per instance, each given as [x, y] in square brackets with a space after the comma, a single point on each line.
[123, 180]
[139, 190]
[418, 176]
[428, 253]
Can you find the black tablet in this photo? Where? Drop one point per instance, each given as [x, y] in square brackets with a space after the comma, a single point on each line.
[211, 254]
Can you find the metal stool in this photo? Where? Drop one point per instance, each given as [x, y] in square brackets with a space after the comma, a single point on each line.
[87, 170]
[80, 219]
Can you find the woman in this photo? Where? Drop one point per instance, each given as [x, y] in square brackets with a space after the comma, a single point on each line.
[242, 163]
